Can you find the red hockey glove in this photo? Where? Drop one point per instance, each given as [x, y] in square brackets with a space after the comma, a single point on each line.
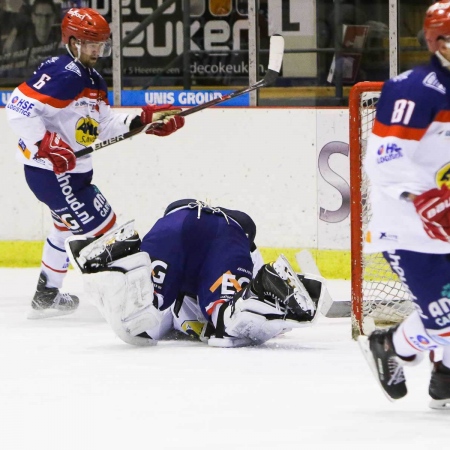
[166, 113]
[57, 152]
[433, 208]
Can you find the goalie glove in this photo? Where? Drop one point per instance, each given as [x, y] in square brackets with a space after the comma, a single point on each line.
[165, 113]
[53, 148]
[433, 207]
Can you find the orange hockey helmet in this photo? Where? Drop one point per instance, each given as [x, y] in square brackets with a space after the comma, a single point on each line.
[85, 24]
[437, 23]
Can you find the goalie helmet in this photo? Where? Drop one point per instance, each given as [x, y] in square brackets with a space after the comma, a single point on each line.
[437, 24]
[85, 24]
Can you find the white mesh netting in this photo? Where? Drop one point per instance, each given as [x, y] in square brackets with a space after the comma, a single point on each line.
[383, 299]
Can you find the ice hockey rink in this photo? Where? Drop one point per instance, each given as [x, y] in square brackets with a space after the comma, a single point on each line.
[69, 383]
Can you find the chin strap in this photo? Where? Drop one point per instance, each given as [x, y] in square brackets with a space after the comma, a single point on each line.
[78, 46]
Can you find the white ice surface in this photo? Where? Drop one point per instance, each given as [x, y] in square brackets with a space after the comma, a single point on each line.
[68, 383]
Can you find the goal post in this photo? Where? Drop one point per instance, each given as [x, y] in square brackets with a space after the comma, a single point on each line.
[377, 295]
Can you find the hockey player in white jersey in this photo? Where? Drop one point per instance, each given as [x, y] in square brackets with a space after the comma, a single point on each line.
[61, 109]
[197, 271]
[408, 164]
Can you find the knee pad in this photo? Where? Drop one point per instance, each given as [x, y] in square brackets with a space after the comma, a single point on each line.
[124, 295]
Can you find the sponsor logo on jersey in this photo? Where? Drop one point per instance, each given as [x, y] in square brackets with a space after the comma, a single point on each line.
[432, 82]
[422, 343]
[21, 106]
[75, 205]
[101, 204]
[228, 284]
[388, 237]
[22, 145]
[440, 309]
[81, 103]
[86, 131]
[394, 261]
[388, 153]
[27, 153]
[159, 270]
[91, 105]
[241, 269]
[443, 176]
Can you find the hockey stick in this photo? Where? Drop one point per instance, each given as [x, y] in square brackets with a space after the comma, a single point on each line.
[275, 61]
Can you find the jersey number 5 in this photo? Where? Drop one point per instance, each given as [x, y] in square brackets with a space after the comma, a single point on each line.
[403, 110]
[44, 78]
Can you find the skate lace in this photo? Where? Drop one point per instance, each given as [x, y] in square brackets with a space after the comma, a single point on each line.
[397, 375]
[64, 299]
[275, 301]
[301, 295]
[200, 205]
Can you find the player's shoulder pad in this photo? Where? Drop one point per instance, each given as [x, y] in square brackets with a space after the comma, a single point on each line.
[60, 65]
[58, 78]
[424, 86]
[427, 82]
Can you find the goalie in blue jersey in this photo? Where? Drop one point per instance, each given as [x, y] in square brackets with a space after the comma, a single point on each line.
[197, 271]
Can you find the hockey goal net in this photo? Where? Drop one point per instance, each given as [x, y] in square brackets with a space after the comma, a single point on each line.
[378, 297]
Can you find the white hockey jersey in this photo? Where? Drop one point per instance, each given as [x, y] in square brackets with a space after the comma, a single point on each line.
[408, 152]
[65, 97]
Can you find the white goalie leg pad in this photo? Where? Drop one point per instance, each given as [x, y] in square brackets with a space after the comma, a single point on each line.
[126, 299]
[246, 325]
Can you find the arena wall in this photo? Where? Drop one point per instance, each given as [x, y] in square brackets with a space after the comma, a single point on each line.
[287, 167]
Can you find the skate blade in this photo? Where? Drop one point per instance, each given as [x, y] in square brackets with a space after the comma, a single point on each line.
[284, 269]
[440, 404]
[363, 342]
[36, 314]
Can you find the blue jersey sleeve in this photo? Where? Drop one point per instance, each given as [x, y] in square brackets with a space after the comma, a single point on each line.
[412, 100]
[57, 82]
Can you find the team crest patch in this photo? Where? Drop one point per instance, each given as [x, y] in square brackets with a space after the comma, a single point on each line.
[73, 68]
[432, 82]
[443, 176]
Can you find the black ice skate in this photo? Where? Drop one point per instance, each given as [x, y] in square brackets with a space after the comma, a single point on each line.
[93, 254]
[385, 364]
[49, 302]
[439, 389]
[278, 283]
